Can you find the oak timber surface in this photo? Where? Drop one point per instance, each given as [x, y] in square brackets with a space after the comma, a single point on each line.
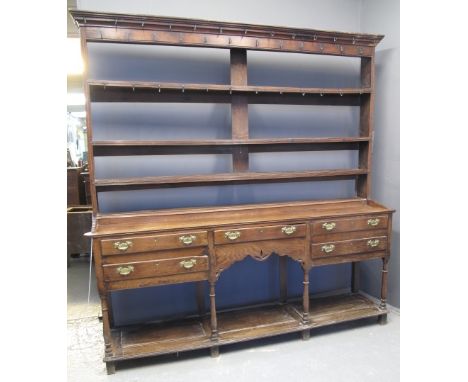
[239, 325]
[223, 178]
[188, 218]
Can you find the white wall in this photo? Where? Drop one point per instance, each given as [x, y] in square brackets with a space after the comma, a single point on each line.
[382, 16]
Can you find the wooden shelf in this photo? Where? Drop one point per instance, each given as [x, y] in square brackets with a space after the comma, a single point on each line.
[132, 147]
[138, 91]
[224, 178]
[239, 325]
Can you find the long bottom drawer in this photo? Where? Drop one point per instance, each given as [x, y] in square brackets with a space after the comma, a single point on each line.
[347, 247]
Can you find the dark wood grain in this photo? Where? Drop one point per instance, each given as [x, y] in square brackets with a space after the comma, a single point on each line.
[228, 254]
[90, 19]
[224, 178]
[111, 224]
[224, 146]
[139, 249]
[255, 233]
[239, 110]
[156, 280]
[238, 325]
[348, 247]
[138, 29]
[134, 244]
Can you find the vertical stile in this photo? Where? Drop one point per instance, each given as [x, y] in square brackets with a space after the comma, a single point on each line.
[239, 110]
[366, 128]
[89, 130]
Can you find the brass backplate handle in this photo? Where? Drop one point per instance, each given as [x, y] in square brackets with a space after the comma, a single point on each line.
[232, 235]
[187, 264]
[123, 245]
[329, 226]
[125, 270]
[289, 229]
[187, 239]
[327, 248]
[373, 243]
[373, 222]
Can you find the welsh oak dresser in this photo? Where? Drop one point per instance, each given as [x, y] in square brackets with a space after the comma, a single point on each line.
[180, 245]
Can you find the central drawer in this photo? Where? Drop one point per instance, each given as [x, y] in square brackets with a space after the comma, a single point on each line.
[257, 233]
[148, 243]
[154, 268]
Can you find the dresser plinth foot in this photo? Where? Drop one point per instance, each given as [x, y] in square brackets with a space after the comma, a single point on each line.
[382, 319]
[110, 368]
[214, 351]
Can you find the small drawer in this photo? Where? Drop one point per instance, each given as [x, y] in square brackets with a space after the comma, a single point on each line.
[358, 223]
[348, 247]
[244, 234]
[134, 244]
[155, 268]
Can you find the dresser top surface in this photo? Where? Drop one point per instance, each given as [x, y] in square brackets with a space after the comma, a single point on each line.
[209, 217]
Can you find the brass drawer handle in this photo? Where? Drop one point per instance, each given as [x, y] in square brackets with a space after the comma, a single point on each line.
[126, 270]
[232, 235]
[123, 245]
[289, 229]
[187, 240]
[329, 226]
[187, 264]
[373, 243]
[373, 222]
[327, 248]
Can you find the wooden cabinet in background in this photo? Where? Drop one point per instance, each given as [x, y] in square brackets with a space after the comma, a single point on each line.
[162, 247]
[73, 186]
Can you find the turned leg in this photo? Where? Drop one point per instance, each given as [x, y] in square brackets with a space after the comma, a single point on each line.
[200, 286]
[283, 273]
[383, 291]
[108, 344]
[305, 305]
[214, 321]
[355, 277]
[110, 368]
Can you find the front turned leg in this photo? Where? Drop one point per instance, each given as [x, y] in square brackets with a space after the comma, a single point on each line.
[214, 321]
[109, 347]
[383, 292]
[305, 305]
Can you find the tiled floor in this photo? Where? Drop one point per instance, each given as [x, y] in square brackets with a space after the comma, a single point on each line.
[359, 351]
